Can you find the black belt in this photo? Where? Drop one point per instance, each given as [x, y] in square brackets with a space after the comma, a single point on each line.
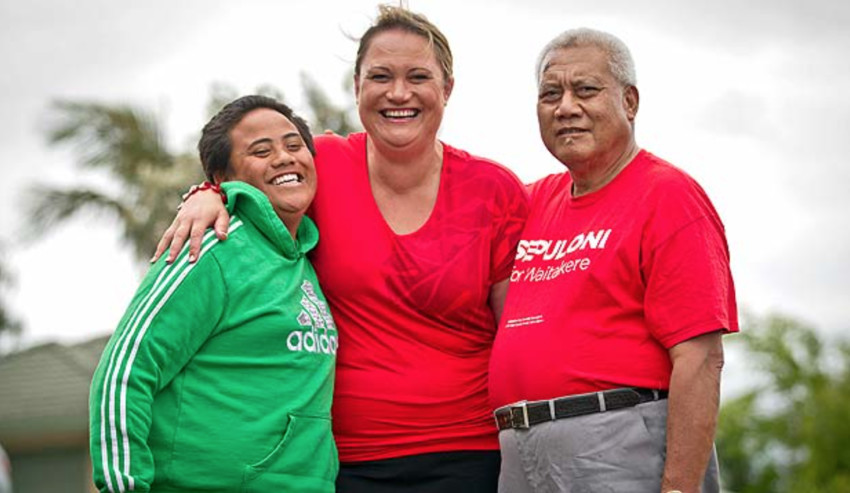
[522, 415]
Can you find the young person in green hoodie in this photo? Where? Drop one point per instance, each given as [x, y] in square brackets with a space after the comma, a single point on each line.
[219, 376]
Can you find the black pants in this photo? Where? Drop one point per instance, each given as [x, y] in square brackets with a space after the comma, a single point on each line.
[471, 471]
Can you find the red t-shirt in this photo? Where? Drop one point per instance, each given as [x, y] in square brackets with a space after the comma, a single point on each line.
[415, 327]
[604, 284]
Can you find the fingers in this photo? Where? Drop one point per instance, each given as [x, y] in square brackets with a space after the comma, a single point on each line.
[163, 243]
[181, 232]
[195, 238]
[222, 221]
[195, 233]
[200, 211]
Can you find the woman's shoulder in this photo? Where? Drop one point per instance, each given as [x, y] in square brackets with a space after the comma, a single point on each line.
[482, 168]
[336, 154]
[331, 143]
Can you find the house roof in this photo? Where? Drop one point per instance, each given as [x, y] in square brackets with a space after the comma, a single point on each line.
[44, 392]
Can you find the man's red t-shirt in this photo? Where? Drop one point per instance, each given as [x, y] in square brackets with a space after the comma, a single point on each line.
[604, 284]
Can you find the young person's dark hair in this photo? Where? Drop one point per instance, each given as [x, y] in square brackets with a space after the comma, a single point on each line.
[214, 146]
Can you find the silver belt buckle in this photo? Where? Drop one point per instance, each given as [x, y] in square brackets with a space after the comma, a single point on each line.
[519, 415]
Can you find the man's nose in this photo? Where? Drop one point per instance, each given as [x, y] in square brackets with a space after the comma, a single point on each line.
[568, 106]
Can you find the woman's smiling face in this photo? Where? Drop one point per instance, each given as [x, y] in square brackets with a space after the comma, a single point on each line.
[401, 91]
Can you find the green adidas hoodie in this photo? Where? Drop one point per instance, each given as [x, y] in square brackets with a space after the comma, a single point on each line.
[219, 376]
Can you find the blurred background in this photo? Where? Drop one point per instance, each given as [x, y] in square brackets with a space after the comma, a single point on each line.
[103, 102]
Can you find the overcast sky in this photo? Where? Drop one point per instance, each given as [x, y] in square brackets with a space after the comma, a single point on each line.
[751, 98]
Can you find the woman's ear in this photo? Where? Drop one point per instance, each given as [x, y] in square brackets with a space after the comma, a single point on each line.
[447, 91]
[356, 89]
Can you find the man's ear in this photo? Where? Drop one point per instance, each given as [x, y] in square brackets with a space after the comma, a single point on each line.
[631, 99]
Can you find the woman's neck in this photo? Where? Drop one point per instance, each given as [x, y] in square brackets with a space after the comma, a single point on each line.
[404, 170]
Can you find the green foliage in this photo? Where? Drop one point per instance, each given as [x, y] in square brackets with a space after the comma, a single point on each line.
[10, 327]
[126, 145]
[327, 115]
[221, 94]
[790, 433]
[322, 114]
[144, 178]
[118, 138]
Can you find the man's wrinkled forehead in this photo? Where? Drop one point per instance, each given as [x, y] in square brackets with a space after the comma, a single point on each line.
[589, 58]
[554, 57]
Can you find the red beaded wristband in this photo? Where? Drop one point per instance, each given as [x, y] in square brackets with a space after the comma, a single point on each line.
[206, 186]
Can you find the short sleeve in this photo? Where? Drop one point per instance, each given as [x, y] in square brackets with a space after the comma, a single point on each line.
[511, 211]
[689, 286]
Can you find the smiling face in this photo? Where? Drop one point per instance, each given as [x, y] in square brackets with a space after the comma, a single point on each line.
[401, 91]
[268, 152]
[586, 116]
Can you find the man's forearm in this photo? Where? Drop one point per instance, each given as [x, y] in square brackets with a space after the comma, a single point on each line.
[692, 411]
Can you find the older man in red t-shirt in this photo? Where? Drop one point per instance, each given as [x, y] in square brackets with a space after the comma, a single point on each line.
[606, 368]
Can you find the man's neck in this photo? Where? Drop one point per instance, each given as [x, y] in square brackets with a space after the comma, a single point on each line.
[594, 175]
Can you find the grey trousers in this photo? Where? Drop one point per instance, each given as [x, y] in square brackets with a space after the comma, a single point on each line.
[618, 451]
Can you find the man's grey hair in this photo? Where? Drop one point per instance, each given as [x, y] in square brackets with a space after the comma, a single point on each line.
[619, 57]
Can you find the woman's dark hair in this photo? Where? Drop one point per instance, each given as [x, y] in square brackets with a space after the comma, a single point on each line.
[391, 17]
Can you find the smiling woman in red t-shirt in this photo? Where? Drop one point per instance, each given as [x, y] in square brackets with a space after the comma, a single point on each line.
[417, 240]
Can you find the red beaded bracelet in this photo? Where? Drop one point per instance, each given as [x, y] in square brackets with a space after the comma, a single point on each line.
[206, 186]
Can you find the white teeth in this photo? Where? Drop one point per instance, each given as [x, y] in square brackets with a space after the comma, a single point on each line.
[400, 113]
[287, 178]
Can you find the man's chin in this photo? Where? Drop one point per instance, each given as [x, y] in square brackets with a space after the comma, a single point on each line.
[572, 155]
